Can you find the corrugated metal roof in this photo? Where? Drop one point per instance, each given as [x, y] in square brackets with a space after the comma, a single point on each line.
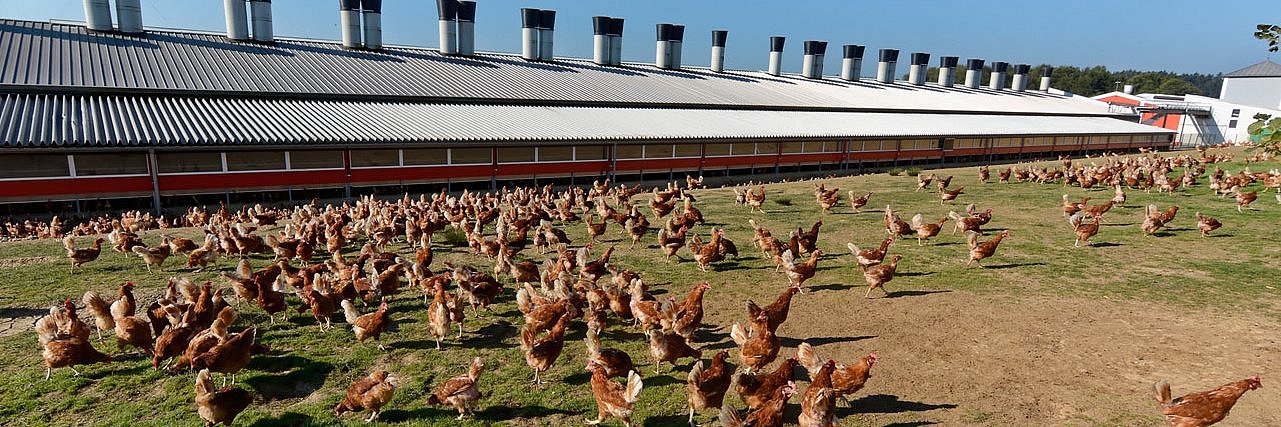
[68, 57]
[1262, 69]
[30, 120]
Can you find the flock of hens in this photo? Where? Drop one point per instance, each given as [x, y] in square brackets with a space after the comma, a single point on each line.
[188, 328]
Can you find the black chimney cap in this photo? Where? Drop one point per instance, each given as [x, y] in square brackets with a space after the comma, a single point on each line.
[718, 37]
[547, 19]
[664, 32]
[678, 33]
[1000, 67]
[854, 51]
[615, 27]
[776, 43]
[600, 25]
[815, 47]
[448, 9]
[466, 11]
[1022, 69]
[974, 64]
[1048, 71]
[889, 55]
[529, 17]
[347, 4]
[948, 61]
[375, 6]
[920, 58]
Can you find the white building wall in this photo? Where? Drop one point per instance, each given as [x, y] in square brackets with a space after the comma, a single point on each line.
[1219, 127]
[1262, 92]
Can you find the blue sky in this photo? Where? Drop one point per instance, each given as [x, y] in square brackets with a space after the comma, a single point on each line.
[1175, 35]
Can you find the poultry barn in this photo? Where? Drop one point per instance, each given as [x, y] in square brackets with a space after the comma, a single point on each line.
[154, 117]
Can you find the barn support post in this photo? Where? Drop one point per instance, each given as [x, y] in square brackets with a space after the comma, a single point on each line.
[155, 181]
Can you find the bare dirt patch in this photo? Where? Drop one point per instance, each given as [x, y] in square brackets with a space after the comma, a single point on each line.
[962, 358]
[27, 260]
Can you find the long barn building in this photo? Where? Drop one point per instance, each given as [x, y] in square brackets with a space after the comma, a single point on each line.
[160, 116]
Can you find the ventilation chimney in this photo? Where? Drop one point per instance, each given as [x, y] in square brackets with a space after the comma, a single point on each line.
[447, 11]
[776, 55]
[600, 40]
[998, 75]
[260, 10]
[529, 19]
[1020, 77]
[615, 33]
[98, 15]
[237, 19]
[812, 62]
[466, 28]
[675, 44]
[920, 67]
[546, 29]
[129, 13]
[947, 71]
[974, 73]
[372, 12]
[349, 20]
[885, 68]
[1046, 73]
[718, 50]
[852, 64]
[663, 47]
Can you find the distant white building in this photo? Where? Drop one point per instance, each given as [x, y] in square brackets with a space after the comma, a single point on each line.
[1258, 85]
[1200, 120]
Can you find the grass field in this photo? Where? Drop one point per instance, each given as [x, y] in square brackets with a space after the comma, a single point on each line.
[1044, 334]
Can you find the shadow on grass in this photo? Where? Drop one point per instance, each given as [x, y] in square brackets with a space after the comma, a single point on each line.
[900, 294]
[670, 420]
[1220, 235]
[794, 342]
[289, 377]
[831, 287]
[488, 336]
[14, 313]
[285, 419]
[913, 424]
[1104, 245]
[913, 274]
[424, 413]
[1012, 265]
[888, 404]
[506, 413]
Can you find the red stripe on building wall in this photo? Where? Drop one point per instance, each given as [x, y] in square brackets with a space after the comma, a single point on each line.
[94, 187]
[248, 180]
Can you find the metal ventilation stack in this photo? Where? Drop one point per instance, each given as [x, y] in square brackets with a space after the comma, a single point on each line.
[998, 75]
[349, 20]
[974, 73]
[663, 46]
[615, 33]
[600, 40]
[885, 68]
[920, 67]
[98, 15]
[852, 63]
[529, 19]
[812, 61]
[1020, 77]
[372, 13]
[237, 19]
[718, 50]
[129, 13]
[676, 45]
[467, 28]
[447, 13]
[947, 71]
[1046, 73]
[776, 55]
[260, 12]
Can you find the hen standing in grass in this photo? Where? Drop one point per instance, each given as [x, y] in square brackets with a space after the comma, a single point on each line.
[460, 391]
[371, 392]
[1202, 408]
[219, 406]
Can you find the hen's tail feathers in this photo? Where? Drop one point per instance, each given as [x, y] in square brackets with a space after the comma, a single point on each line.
[738, 334]
[101, 311]
[1161, 390]
[244, 269]
[917, 220]
[809, 359]
[853, 249]
[1075, 219]
[972, 239]
[69, 243]
[349, 311]
[954, 215]
[694, 373]
[477, 366]
[593, 343]
[634, 386]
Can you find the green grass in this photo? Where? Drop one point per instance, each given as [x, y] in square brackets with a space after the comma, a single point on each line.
[308, 371]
